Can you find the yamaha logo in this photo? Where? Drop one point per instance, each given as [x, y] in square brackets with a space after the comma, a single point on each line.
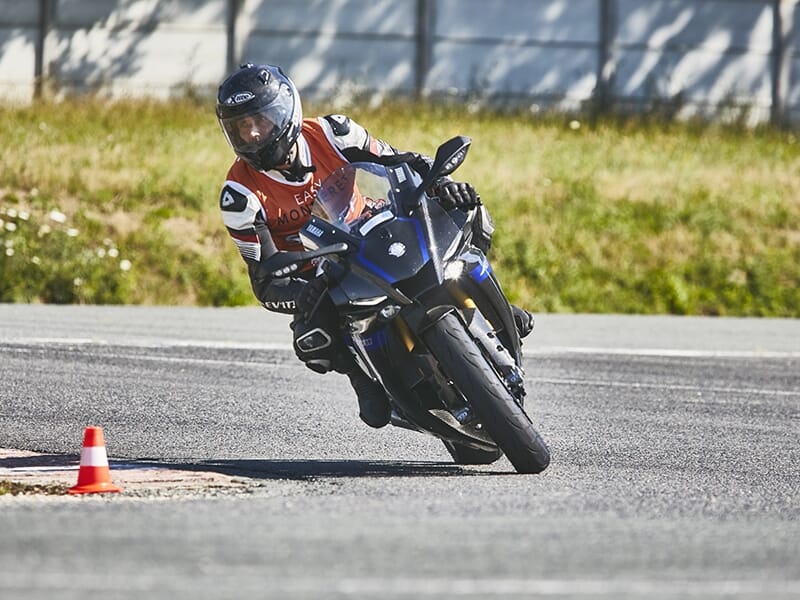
[314, 230]
[397, 249]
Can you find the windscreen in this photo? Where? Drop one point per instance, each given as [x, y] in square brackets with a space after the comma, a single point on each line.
[362, 198]
[353, 194]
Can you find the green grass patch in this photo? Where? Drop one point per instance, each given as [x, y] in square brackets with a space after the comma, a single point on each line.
[14, 488]
[117, 203]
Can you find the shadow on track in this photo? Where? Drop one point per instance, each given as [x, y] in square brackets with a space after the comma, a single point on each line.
[253, 468]
[40, 462]
[309, 470]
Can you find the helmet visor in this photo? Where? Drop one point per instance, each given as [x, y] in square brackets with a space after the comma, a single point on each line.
[250, 132]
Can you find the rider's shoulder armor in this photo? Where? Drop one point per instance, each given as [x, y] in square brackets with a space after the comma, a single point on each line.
[345, 133]
[340, 124]
[240, 207]
[233, 197]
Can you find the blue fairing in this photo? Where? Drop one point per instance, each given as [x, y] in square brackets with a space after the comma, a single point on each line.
[393, 270]
[481, 271]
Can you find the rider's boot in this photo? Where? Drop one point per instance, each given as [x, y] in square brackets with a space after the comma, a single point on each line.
[322, 353]
[373, 406]
[523, 320]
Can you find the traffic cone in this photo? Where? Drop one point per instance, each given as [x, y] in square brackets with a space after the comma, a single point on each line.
[94, 476]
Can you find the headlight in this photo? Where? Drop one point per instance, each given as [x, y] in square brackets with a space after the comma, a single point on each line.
[454, 269]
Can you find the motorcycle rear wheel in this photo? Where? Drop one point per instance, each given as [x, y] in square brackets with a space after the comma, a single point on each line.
[504, 420]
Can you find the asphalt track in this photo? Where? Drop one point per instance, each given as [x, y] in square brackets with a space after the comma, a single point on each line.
[675, 474]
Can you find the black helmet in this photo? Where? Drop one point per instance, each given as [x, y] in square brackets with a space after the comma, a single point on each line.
[263, 100]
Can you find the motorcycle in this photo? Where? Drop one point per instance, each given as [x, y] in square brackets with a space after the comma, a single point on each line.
[420, 308]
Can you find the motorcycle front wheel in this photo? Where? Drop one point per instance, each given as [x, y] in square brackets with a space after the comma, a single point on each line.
[501, 416]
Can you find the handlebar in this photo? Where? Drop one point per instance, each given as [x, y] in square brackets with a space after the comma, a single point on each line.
[285, 263]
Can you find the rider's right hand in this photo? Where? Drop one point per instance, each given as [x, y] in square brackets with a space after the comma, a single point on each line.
[454, 194]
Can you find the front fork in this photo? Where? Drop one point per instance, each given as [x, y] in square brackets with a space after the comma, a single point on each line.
[482, 332]
[478, 287]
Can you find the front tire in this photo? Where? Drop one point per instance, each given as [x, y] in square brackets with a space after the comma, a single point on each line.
[504, 420]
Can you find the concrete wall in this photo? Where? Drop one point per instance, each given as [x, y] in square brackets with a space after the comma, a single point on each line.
[19, 34]
[707, 53]
[369, 44]
[697, 53]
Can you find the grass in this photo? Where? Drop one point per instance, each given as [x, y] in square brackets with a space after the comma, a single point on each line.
[610, 215]
[14, 488]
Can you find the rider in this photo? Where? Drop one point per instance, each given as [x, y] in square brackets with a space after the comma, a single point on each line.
[268, 194]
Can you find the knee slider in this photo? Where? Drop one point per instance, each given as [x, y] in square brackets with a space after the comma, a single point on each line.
[320, 352]
[313, 348]
[312, 341]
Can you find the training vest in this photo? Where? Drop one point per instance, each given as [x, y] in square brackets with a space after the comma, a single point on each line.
[288, 204]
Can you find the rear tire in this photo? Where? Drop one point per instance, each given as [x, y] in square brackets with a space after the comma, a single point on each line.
[464, 455]
[504, 420]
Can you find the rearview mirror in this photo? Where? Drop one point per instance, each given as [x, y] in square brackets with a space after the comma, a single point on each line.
[449, 157]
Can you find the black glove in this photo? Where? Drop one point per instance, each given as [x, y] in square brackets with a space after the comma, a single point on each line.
[455, 194]
[310, 295]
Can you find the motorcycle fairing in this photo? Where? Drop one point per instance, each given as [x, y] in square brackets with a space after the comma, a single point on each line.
[403, 253]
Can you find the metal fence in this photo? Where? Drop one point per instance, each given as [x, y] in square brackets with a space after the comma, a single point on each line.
[692, 55]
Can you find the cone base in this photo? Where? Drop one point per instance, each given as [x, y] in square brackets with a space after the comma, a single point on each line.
[94, 488]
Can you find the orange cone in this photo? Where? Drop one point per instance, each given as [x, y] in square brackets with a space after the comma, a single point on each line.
[94, 476]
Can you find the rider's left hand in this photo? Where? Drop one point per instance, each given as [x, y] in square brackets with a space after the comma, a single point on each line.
[455, 194]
